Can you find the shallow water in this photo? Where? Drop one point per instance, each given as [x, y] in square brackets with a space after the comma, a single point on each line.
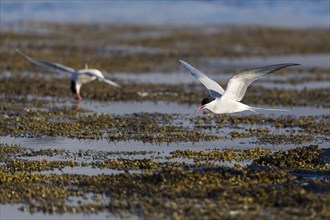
[10, 212]
[176, 108]
[230, 67]
[75, 145]
[299, 87]
[306, 61]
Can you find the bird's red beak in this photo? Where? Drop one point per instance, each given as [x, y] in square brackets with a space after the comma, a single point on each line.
[78, 97]
[200, 108]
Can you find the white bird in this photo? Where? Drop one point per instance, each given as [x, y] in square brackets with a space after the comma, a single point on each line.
[221, 101]
[78, 77]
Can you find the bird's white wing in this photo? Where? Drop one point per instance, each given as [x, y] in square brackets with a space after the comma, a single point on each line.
[110, 82]
[215, 90]
[238, 84]
[99, 76]
[47, 65]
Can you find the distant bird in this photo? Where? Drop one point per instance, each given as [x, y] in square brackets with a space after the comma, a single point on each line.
[78, 77]
[221, 101]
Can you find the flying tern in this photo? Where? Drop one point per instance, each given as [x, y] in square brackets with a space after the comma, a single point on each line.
[223, 101]
[78, 77]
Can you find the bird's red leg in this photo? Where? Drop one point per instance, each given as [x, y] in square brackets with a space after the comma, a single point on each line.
[78, 97]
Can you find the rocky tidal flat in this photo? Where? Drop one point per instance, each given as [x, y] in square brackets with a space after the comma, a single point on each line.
[116, 154]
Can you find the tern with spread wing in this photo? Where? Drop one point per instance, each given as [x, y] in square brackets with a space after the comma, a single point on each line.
[221, 101]
[78, 77]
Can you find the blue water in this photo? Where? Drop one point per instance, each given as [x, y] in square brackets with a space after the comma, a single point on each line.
[285, 13]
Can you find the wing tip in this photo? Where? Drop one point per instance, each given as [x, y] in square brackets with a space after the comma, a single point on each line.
[117, 85]
[186, 65]
[182, 62]
[110, 82]
[23, 54]
[288, 65]
[293, 64]
[19, 51]
[273, 68]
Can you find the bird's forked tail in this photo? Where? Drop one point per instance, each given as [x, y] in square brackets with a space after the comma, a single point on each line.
[255, 109]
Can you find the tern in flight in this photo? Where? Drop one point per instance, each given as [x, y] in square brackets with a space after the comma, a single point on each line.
[78, 77]
[221, 101]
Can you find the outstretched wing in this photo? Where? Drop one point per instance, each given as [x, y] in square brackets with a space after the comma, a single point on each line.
[94, 73]
[238, 84]
[215, 90]
[47, 65]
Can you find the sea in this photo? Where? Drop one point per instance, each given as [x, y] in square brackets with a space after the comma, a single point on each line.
[280, 13]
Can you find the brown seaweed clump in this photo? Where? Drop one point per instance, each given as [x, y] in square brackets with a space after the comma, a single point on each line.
[174, 190]
[301, 157]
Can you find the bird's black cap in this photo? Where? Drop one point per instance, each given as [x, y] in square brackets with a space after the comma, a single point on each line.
[73, 87]
[207, 100]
